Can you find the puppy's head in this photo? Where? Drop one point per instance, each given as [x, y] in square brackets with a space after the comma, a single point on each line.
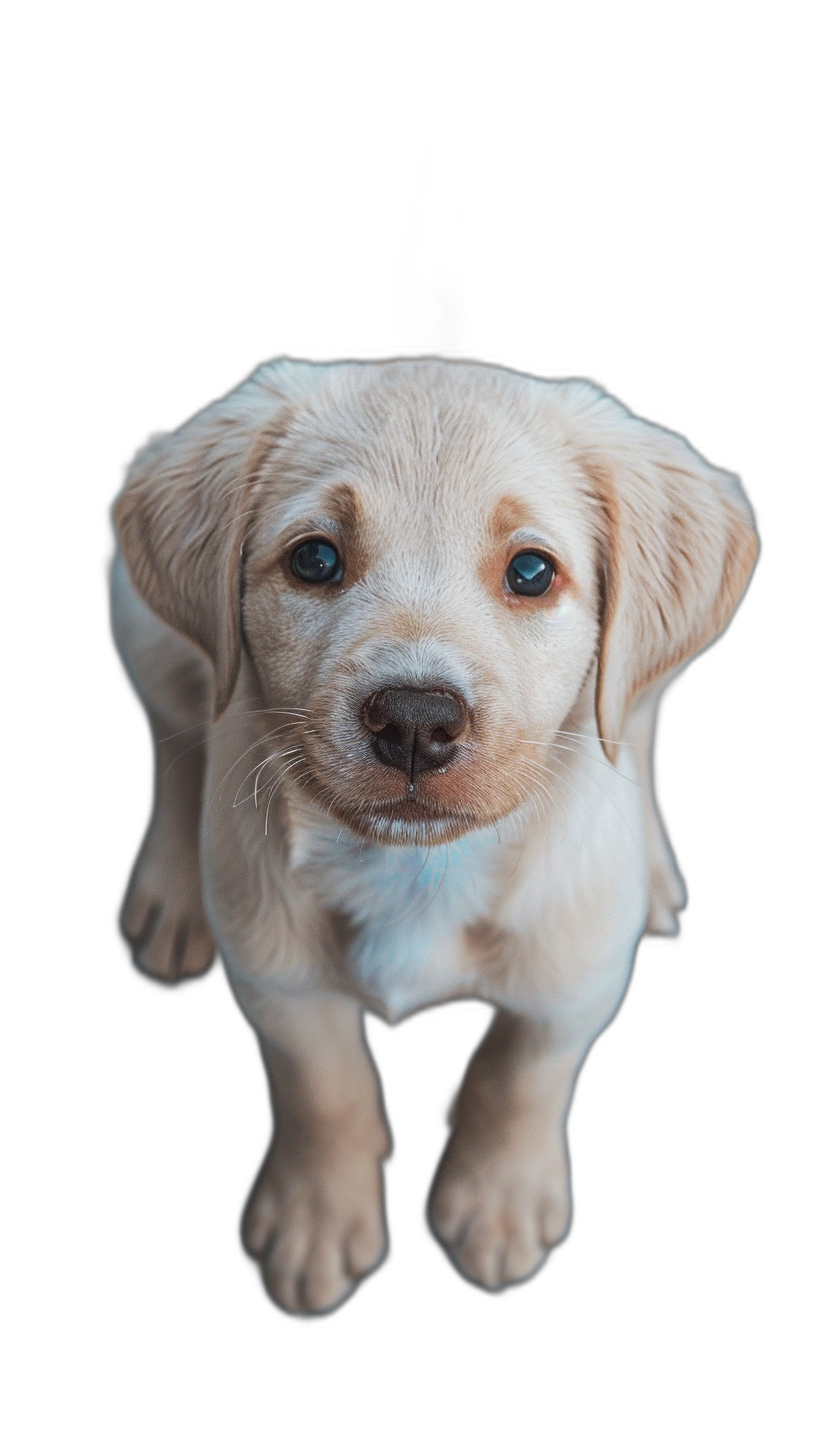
[426, 562]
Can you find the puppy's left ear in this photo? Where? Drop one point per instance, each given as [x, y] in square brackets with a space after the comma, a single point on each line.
[181, 520]
[678, 547]
[186, 509]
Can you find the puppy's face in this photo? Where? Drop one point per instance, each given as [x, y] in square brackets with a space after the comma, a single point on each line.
[425, 562]
[420, 593]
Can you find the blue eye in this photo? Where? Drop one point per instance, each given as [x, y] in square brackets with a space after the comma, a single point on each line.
[316, 561]
[530, 574]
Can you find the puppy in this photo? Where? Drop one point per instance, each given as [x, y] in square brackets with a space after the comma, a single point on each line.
[401, 630]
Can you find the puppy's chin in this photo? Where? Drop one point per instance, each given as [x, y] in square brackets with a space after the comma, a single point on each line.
[413, 820]
[402, 824]
[376, 805]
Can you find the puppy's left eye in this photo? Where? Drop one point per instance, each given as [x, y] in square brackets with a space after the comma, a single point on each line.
[317, 561]
[530, 574]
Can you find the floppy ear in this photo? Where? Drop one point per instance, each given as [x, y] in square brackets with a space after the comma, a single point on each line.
[185, 510]
[677, 551]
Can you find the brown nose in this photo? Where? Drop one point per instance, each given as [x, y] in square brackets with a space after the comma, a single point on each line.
[414, 729]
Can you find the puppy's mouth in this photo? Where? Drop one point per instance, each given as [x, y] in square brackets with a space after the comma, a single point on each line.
[421, 774]
[376, 806]
[408, 813]
[408, 819]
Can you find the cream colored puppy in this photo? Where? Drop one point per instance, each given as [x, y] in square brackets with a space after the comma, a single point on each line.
[401, 630]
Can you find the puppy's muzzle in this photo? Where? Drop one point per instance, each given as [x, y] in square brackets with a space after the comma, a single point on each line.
[414, 729]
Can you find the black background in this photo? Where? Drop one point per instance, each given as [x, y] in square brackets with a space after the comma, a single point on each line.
[657, 291]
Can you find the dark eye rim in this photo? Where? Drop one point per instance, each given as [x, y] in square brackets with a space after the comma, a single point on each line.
[528, 589]
[316, 540]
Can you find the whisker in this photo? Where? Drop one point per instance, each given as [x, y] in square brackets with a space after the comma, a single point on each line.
[193, 728]
[179, 756]
[596, 738]
[258, 770]
[300, 712]
[532, 771]
[281, 753]
[243, 712]
[545, 768]
[236, 706]
[601, 763]
[254, 745]
[596, 785]
[533, 794]
[277, 785]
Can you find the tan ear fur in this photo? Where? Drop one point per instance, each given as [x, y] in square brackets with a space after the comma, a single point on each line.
[185, 510]
[677, 551]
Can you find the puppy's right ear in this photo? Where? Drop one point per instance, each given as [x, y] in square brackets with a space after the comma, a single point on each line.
[185, 509]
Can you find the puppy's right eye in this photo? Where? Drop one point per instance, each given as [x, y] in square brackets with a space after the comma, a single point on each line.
[316, 561]
[530, 574]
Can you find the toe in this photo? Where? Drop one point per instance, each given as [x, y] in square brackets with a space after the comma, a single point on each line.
[478, 1257]
[554, 1221]
[139, 913]
[259, 1220]
[365, 1249]
[449, 1209]
[283, 1265]
[199, 949]
[159, 945]
[522, 1256]
[325, 1283]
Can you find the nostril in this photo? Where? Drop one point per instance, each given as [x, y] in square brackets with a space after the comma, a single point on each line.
[441, 735]
[374, 714]
[390, 733]
[395, 747]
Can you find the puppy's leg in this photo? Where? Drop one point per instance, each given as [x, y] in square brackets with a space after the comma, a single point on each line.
[501, 1196]
[667, 892]
[163, 915]
[314, 1219]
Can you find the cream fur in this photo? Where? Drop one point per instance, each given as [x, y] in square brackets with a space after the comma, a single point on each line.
[525, 873]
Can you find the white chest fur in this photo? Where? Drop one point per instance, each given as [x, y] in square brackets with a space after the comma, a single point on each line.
[406, 906]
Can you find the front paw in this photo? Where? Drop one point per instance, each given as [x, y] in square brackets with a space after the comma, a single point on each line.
[163, 916]
[315, 1223]
[498, 1209]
